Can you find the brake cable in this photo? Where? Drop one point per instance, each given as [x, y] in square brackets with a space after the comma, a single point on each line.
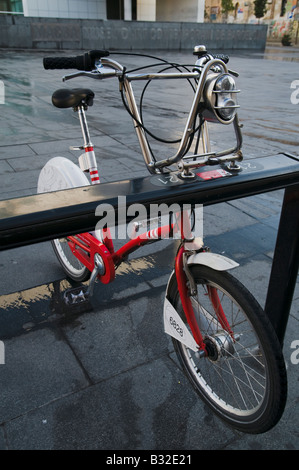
[141, 123]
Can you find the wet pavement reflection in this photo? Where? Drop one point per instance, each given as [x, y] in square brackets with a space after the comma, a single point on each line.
[43, 305]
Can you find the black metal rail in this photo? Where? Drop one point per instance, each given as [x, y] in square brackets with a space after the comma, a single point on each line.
[33, 219]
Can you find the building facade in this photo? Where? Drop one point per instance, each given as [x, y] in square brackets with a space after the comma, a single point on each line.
[140, 10]
[281, 15]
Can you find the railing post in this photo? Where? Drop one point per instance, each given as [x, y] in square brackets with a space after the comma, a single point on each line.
[285, 263]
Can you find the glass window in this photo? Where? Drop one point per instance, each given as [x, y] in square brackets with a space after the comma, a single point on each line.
[11, 6]
[134, 9]
[115, 9]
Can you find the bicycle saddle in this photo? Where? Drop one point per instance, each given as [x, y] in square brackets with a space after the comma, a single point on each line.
[70, 98]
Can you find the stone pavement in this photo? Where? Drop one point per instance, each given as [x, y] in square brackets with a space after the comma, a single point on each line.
[104, 375]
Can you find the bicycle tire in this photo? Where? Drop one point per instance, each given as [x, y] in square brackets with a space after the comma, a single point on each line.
[70, 264]
[246, 384]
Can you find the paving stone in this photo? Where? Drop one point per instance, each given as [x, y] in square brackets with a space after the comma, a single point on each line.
[39, 367]
[104, 375]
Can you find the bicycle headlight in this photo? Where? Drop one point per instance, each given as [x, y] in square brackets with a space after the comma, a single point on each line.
[221, 98]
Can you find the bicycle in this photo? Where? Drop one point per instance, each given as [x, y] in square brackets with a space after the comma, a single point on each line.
[223, 339]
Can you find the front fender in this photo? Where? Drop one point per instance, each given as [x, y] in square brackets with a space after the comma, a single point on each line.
[213, 260]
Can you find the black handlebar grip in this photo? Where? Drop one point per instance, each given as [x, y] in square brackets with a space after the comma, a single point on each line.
[80, 62]
[60, 63]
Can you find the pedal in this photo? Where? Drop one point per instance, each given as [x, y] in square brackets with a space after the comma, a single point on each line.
[76, 295]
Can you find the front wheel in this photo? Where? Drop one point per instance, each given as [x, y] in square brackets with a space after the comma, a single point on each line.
[243, 377]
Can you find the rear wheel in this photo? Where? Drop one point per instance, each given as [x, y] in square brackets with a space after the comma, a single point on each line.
[71, 265]
[243, 378]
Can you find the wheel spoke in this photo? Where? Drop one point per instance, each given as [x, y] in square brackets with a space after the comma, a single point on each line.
[72, 266]
[235, 379]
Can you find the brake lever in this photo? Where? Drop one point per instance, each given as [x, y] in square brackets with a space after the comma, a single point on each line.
[80, 74]
[232, 72]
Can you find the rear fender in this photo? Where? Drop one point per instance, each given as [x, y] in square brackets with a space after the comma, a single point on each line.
[60, 173]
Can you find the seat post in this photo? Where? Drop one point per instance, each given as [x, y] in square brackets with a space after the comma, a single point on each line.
[84, 127]
[87, 161]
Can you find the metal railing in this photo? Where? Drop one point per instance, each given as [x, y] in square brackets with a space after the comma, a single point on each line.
[33, 219]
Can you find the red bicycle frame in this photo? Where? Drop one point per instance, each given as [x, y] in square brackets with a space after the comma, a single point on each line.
[86, 247]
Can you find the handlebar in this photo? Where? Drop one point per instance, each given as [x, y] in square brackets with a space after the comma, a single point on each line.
[87, 62]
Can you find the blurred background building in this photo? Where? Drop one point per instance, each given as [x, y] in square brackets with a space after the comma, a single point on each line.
[280, 15]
